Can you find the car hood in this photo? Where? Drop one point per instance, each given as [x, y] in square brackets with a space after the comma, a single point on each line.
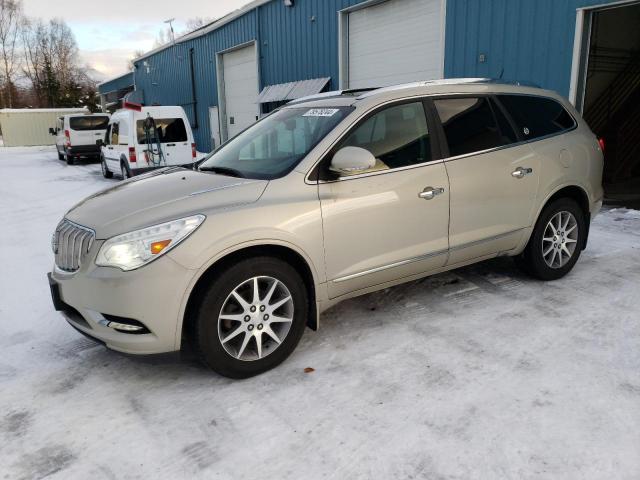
[160, 196]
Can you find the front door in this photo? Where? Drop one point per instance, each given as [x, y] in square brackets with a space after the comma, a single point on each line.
[391, 222]
[493, 184]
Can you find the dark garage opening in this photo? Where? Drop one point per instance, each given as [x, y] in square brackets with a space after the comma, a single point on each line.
[612, 98]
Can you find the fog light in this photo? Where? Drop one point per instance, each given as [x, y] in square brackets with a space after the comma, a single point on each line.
[123, 325]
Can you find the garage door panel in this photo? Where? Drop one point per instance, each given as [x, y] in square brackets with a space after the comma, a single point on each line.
[394, 42]
[240, 89]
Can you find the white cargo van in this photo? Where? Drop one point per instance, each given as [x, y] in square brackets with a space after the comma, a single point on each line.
[76, 135]
[139, 139]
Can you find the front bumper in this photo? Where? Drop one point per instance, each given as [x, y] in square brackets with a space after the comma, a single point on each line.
[151, 295]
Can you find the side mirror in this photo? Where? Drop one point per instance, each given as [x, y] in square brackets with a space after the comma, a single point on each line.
[52, 131]
[352, 160]
[100, 142]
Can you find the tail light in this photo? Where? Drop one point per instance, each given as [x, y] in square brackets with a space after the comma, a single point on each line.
[602, 144]
[193, 151]
[132, 155]
[132, 106]
[67, 137]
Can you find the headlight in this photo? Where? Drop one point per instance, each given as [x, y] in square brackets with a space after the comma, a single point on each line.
[134, 249]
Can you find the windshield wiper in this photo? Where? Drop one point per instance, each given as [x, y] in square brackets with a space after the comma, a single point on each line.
[229, 172]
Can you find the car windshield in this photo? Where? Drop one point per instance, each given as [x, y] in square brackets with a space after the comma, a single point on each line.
[275, 145]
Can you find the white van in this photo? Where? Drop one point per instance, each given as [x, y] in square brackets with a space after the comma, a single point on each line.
[76, 135]
[139, 139]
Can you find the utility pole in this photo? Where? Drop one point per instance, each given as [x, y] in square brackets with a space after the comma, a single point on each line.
[173, 36]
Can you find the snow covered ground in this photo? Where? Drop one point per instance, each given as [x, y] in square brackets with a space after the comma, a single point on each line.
[480, 373]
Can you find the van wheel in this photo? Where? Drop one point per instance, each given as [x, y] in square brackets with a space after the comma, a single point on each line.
[60, 156]
[250, 318]
[556, 242]
[69, 159]
[124, 171]
[106, 173]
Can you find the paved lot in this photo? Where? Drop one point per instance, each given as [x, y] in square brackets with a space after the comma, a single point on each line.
[479, 373]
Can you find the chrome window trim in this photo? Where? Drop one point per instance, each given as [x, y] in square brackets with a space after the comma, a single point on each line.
[433, 96]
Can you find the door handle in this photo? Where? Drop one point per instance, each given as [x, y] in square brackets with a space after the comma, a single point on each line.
[520, 172]
[171, 144]
[430, 192]
[110, 148]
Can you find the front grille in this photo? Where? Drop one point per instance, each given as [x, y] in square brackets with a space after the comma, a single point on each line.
[71, 243]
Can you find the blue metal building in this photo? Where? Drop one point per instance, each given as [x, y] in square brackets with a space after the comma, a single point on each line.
[342, 43]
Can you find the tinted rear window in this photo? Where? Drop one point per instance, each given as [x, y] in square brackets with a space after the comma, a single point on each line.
[169, 130]
[470, 125]
[88, 123]
[537, 116]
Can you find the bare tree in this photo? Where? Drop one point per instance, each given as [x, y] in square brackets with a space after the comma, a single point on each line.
[197, 22]
[10, 23]
[136, 54]
[51, 64]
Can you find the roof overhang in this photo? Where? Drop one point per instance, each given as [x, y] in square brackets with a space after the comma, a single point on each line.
[283, 92]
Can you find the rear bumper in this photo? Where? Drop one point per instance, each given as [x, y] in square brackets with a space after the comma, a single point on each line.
[83, 150]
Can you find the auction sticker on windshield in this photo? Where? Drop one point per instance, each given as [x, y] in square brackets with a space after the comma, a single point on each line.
[321, 112]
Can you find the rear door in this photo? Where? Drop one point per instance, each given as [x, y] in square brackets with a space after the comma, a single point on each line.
[85, 130]
[493, 177]
[174, 139]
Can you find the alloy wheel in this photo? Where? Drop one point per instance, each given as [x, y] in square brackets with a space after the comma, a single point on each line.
[255, 318]
[560, 239]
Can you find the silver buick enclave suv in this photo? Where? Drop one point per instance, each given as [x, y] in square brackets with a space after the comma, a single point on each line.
[328, 197]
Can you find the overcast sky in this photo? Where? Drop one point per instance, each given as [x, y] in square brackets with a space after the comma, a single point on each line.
[109, 32]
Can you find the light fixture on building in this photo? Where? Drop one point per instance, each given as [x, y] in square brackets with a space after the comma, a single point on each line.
[288, 3]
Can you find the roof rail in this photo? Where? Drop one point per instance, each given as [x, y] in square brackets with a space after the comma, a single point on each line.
[331, 94]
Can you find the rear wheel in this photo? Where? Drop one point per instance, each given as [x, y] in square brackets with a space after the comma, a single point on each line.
[69, 159]
[556, 242]
[106, 173]
[60, 156]
[251, 317]
[124, 171]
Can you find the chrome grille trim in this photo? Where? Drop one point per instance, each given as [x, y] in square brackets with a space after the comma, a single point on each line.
[71, 243]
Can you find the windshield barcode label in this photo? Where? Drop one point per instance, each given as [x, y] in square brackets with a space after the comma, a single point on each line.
[321, 112]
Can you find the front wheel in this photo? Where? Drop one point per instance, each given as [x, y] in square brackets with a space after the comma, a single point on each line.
[556, 242]
[251, 317]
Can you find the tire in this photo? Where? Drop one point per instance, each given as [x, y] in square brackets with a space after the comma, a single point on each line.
[125, 173]
[60, 156]
[106, 173]
[69, 159]
[229, 358]
[557, 263]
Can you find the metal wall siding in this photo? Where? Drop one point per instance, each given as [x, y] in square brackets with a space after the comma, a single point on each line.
[525, 40]
[291, 46]
[114, 84]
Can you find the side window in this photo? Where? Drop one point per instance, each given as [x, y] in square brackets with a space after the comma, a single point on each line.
[470, 125]
[115, 133]
[123, 131]
[107, 135]
[537, 116]
[397, 136]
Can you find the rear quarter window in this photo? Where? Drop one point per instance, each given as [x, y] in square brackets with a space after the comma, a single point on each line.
[88, 123]
[537, 117]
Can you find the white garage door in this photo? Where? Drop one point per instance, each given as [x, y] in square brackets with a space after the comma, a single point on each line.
[240, 75]
[397, 41]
